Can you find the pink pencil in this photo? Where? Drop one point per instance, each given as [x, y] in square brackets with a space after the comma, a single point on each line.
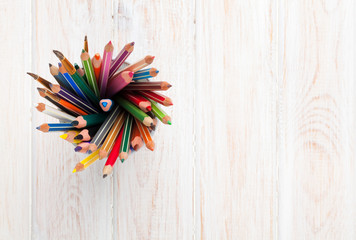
[118, 82]
[105, 68]
[120, 58]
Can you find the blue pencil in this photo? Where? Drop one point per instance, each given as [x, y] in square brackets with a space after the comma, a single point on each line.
[51, 127]
[145, 73]
[59, 78]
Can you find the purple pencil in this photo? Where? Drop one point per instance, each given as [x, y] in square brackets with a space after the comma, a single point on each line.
[120, 58]
[105, 68]
[70, 97]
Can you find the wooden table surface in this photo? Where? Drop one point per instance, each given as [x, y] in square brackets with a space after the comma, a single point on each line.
[262, 144]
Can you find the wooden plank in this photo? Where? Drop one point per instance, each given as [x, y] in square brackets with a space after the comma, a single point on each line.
[67, 205]
[15, 137]
[153, 191]
[317, 130]
[236, 120]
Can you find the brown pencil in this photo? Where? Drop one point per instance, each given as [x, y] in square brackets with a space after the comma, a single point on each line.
[149, 86]
[44, 82]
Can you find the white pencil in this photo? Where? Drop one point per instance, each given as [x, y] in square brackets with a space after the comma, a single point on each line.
[53, 112]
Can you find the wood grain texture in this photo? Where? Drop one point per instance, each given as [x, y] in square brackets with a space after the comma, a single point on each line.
[153, 191]
[236, 120]
[67, 205]
[317, 120]
[15, 108]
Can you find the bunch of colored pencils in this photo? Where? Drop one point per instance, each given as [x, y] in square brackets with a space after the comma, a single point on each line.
[106, 108]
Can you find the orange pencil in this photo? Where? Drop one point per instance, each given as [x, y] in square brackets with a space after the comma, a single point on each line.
[136, 140]
[145, 134]
[96, 61]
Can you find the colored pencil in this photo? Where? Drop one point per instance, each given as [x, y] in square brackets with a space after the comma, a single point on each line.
[104, 129]
[125, 142]
[120, 58]
[86, 162]
[89, 72]
[59, 77]
[44, 82]
[160, 98]
[108, 168]
[96, 62]
[105, 68]
[135, 111]
[80, 71]
[70, 135]
[53, 112]
[65, 103]
[112, 135]
[82, 147]
[86, 48]
[140, 64]
[51, 127]
[106, 104]
[145, 73]
[145, 134]
[77, 78]
[149, 86]
[89, 120]
[73, 85]
[70, 97]
[153, 127]
[138, 100]
[42, 93]
[160, 114]
[87, 134]
[136, 140]
[118, 82]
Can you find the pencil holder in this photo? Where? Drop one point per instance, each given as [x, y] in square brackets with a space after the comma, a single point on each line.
[107, 108]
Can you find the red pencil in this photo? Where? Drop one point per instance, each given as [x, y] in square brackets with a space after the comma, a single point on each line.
[138, 100]
[160, 98]
[114, 154]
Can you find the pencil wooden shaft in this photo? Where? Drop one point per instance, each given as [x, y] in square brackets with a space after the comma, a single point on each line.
[112, 135]
[105, 127]
[120, 58]
[125, 142]
[68, 96]
[135, 111]
[89, 72]
[53, 112]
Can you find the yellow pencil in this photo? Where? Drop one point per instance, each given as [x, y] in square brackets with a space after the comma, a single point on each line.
[86, 162]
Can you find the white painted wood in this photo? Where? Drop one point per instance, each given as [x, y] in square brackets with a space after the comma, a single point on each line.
[67, 205]
[15, 137]
[153, 191]
[236, 120]
[263, 134]
[317, 120]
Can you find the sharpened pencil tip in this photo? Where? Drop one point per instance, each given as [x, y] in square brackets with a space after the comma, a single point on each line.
[83, 51]
[35, 76]
[133, 43]
[169, 122]
[149, 108]
[85, 38]
[59, 64]
[151, 124]
[79, 137]
[104, 104]
[58, 54]
[77, 148]
[50, 65]
[75, 123]
[157, 71]
[97, 56]
[74, 170]
[169, 85]
[122, 160]
[105, 175]
[38, 128]
[90, 152]
[131, 74]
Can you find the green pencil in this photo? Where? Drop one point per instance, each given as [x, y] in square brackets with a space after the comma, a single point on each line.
[125, 142]
[89, 120]
[159, 113]
[89, 72]
[135, 111]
